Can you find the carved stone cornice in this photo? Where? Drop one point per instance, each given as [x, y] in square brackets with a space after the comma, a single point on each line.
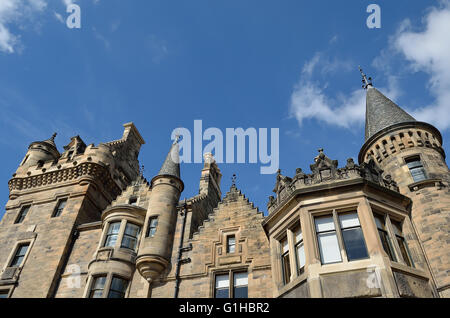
[85, 171]
[326, 171]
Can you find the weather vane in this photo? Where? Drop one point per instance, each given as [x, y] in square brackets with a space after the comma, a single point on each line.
[366, 81]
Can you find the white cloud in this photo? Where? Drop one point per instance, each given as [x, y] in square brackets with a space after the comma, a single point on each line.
[425, 50]
[310, 100]
[16, 12]
[58, 17]
[428, 51]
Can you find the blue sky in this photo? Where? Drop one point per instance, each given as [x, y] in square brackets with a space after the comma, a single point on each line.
[288, 64]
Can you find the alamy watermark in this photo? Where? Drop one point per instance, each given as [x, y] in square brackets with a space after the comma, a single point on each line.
[374, 19]
[73, 21]
[235, 152]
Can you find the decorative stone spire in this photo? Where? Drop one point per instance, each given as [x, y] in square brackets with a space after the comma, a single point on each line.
[171, 166]
[381, 112]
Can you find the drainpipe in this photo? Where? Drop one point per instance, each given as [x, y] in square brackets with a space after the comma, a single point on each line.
[180, 251]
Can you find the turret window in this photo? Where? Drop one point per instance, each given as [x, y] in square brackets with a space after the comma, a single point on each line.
[112, 234]
[59, 207]
[22, 214]
[118, 287]
[416, 168]
[130, 236]
[97, 287]
[152, 225]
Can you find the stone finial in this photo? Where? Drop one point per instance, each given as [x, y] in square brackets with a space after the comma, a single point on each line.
[208, 157]
[233, 180]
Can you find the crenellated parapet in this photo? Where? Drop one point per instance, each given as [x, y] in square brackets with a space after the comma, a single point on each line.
[325, 171]
[95, 173]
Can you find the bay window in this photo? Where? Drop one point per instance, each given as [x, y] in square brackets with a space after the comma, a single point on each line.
[130, 236]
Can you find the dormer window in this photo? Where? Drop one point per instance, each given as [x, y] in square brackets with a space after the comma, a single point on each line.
[132, 201]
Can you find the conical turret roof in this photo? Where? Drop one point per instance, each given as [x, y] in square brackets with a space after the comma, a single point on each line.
[171, 166]
[381, 112]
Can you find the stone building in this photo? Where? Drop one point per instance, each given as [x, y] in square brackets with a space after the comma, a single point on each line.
[86, 223]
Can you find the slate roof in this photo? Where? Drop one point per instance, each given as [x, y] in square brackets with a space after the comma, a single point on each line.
[171, 165]
[381, 112]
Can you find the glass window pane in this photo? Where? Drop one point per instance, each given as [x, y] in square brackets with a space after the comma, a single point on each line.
[114, 228]
[119, 284]
[397, 228]
[354, 243]
[404, 251]
[132, 230]
[17, 260]
[222, 281]
[97, 294]
[115, 294]
[387, 245]
[222, 293]
[241, 292]
[414, 164]
[285, 245]
[99, 282]
[129, 242]
[152, 224]
[231, 243]
[286, 268]
[324, 223]
[379, 221]
[298, 235]
[111, 241]
[301, 260]
[240, 279]
[349, 220]
[329, 248]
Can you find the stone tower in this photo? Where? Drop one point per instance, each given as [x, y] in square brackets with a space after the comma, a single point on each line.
[50, 195]
[155, 248]
[410, 152]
